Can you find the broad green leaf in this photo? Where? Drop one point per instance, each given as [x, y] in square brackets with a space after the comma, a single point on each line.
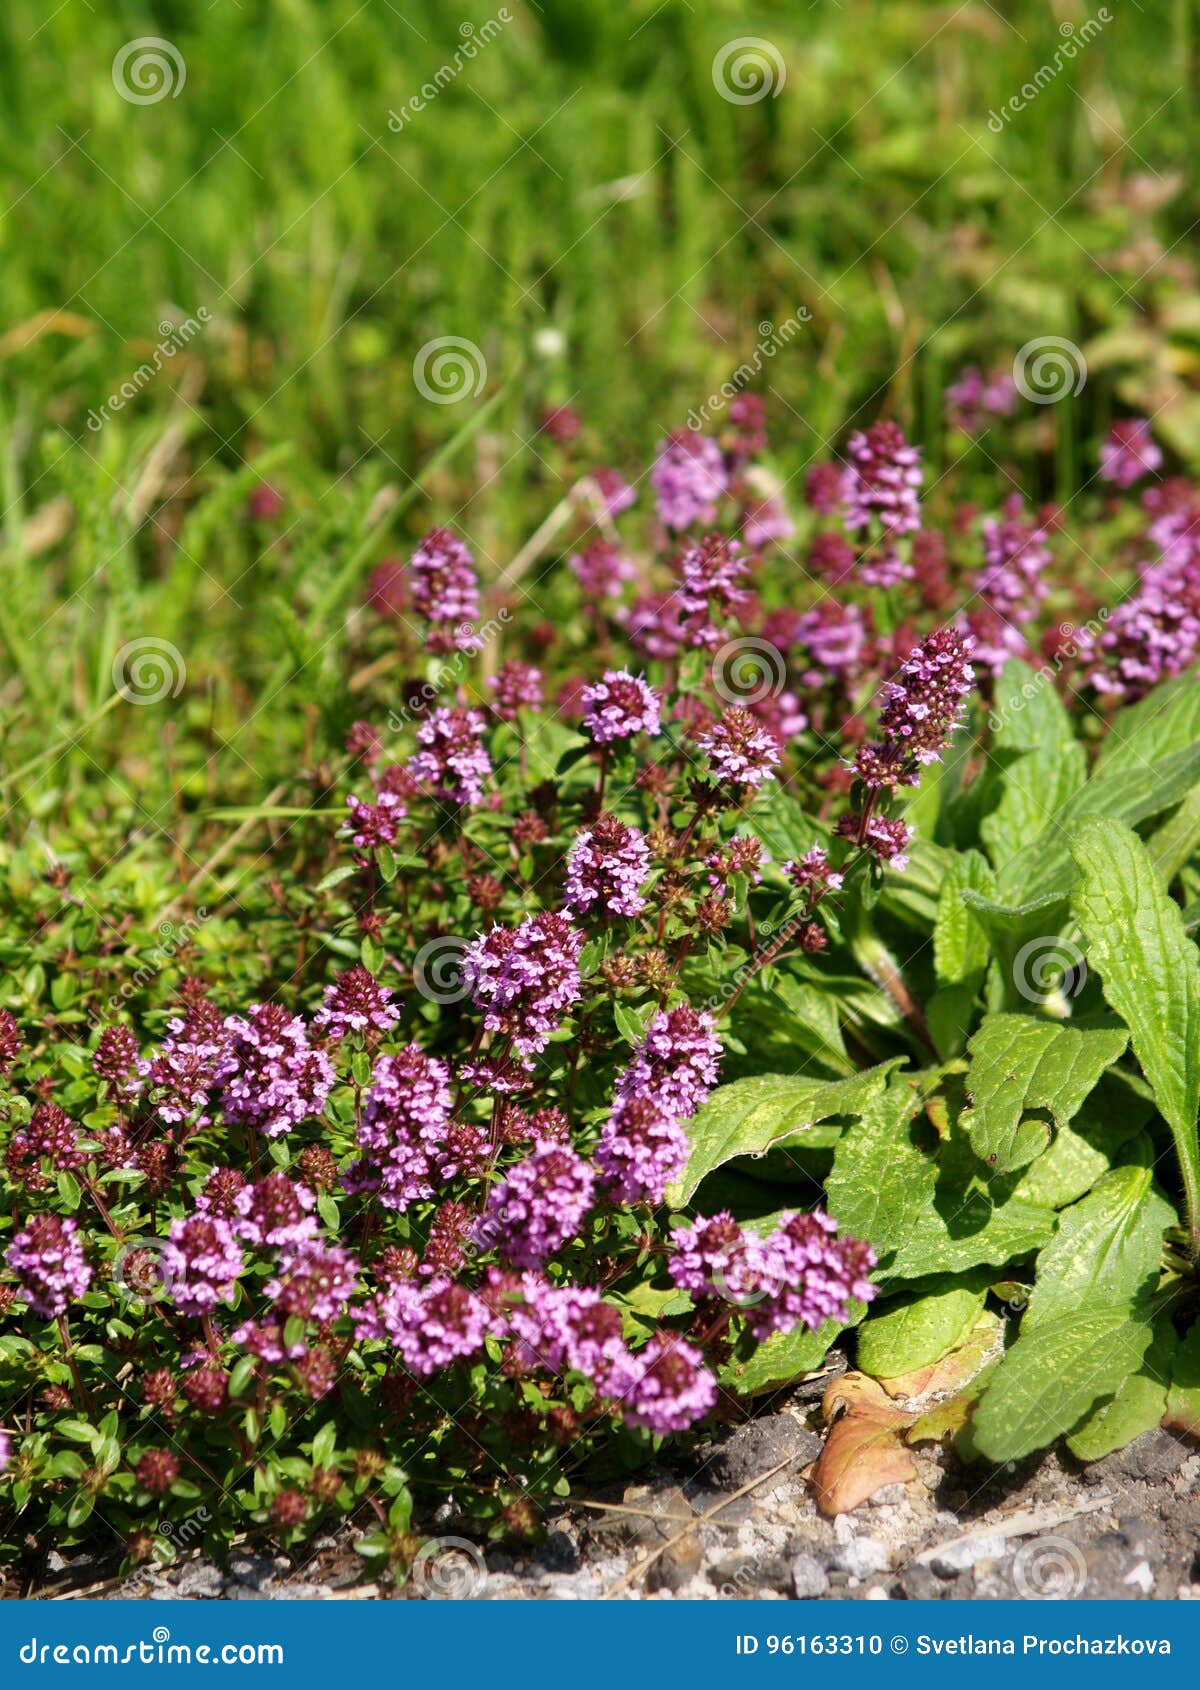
[1108, 1247]
[1125, 794]
[785, 1356]
[1138, 1406]
[1020, 1063]
[1165, 721]
[782, 824]
[920, 1329]
[881, 1179]
[960, 1232]
[1176, 842]
[1053, 1376]
[749, 1116]
[1150, 973]
[1086, 1149]
[1043, 764]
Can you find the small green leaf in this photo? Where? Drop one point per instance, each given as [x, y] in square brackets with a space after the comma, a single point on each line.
[960, 941]
[1150, 973]
[1138, 1406]
[1039, 765]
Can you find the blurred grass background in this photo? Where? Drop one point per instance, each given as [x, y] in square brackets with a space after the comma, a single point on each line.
[582, 175]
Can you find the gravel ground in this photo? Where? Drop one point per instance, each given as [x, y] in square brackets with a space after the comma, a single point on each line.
[733, 1518]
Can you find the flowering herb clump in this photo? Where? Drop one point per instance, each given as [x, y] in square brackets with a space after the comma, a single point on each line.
[623, 1019]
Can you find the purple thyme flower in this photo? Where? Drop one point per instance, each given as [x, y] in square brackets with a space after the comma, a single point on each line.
[49, 1263]
[432, 1324]
[813, 876]
[1153, 634]
[356, 1003]
[607, 867]
[5, 1449]
[665, 1387]
[373, 825]
[115, 1054]
[615, 492]
[566, 1328]
[766, 522]
[921, 711]
[452, 760]
[517, 684]
[404, 1122]
[602, 569]
[526, 979]
[274, 1212]
[181, 1073]
[11, 1042]
[799, 1274]
[656, 626]
[272, 1077]
[201, 1263]
[689, 478]
[885, 568]
[886, 839]
[742, 752]
[316, 1281]
[539, 1204]
[1010, 586]
[1129, 452]
[826, 487]
[445, 590]
[50, 1135]
[642, 1150]
[974, 397]
[676, 1065]
[620, 706]
[835, 639]
[885, 473]
[710, 585]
